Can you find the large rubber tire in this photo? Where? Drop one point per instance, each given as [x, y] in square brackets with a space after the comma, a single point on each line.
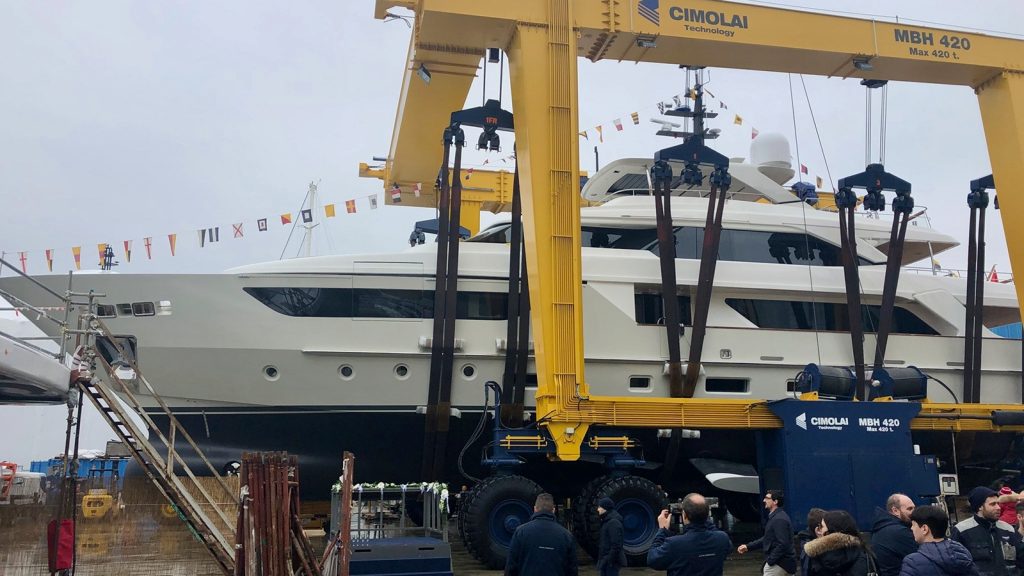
[499, 506]
[639, 501]
[582, 509]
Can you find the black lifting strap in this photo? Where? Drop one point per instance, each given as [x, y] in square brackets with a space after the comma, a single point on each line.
[977, 201]
[513, 379]
[902, 205]
[846, 202]
[438, 414]
[661, 175]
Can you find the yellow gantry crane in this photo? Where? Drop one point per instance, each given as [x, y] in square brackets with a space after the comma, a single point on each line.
[545, 39]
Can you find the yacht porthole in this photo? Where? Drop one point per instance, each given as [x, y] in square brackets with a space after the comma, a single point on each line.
[401, 371]
[271, 373]
[346, 372]
[468, 371]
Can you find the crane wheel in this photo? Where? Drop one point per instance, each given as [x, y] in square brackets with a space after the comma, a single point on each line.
[582, 509]
[495, 508]
[639, 501]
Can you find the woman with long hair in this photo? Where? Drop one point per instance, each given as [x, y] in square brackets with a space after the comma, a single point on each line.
[840, 551]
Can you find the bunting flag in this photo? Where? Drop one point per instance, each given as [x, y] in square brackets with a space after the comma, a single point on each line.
[600, 133]
[635, 116]
[618, 124]
[350, 206]
[148, 241]
[172, 239]
[737, 120]
[661, 107]
[76, 251]
[693, 94]
[935, 265]
[417, 188]
[803, 169]
[237, 230]
[584, 134]
[469, 173]
[677, 101]
[307, 216]
[102, 246]
[127, 250]
[329, 211]
[261, 224]
[396, 194]
[722, 105]
[23, 256]
[49, 260]
[753, 133]
[286, 218]
[993, 276]
[209, 235]
[819, 182]
[373, 201]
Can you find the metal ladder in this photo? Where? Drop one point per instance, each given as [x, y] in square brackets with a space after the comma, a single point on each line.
[154, 450]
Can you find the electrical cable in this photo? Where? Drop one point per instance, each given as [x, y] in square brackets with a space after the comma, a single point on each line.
[943, 384]
[475, 436]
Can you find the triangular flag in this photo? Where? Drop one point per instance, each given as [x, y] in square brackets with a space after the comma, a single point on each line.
[237, 230]
[76, 251]
[102, 246]
[209, 235]
[635, 116]
[584, 134]
[803, 169]
[172, 239]
[417, 189]
[753, 133]
[329, 211]
[486, 161]
[993, 276]
[202, 237]
[819, 182]
[261, 224]
[935, 265]
[677, 101]
[396, 194]
[127, 250]
[286, 218]
[23, 256]
[737, 119]
[469, 173]
[373, 201]
[148, 241]
[350, 206]
[618, 124]
[49, 260]
[307, 215]
[600, 133]
[722, 105]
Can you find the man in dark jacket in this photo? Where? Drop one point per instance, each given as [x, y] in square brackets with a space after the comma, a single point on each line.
[777, 542]
[995, 545]
[541, 547]
[937, 555]
[699, 550]
[610, 556]
[813, 530]
[891, 539]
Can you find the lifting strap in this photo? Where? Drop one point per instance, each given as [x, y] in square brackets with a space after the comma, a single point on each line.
[902, 205]
[517, 335]
[661, 175]
[977, 201]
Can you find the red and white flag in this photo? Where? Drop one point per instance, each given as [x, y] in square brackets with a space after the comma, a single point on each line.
[803, 169]
[993, 276]
[49, 260]
[148, 241]
[753, 133]
[396, 194]
[618, 124]
[127, 250]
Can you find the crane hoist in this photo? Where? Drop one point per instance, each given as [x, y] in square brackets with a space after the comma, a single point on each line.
[543, 41]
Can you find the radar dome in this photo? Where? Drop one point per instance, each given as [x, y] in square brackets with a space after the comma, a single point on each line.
[770, 153]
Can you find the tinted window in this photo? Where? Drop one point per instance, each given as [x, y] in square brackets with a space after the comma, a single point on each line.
[106, 310]
[650, 308]
[732, 385]
[620, 238]
[824, 316]
[377, 303]
[497, 235]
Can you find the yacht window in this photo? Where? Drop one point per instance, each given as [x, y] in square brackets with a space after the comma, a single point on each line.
[639, 382]
[650, 309]
[823, 316]
[730, 385]
[106, 310]
[496, 235]
[619, 238]
[377, 303]
[124, 309]
[143, 309]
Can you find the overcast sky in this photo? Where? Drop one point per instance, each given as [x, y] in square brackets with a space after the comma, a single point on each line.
[121, 120]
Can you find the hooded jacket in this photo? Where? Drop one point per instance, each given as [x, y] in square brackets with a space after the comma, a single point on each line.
[541, 547]
[944, 558]
[610, 551]
[837, 554]
[891, 541]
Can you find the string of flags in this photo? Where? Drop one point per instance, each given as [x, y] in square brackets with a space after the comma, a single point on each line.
[204, 236]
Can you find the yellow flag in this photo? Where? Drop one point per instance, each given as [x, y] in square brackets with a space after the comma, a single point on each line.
[584, 134]
[600, 133]
[76, 251]
[737, 120]
[329, 210]
[103, 249]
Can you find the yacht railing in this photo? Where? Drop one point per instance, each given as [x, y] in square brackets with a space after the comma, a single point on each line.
[20, 306]
[1003, 277]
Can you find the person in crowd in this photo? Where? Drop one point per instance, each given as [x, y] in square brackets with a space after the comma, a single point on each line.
[936, 555]
[1008, 500]
[994, 545]
[839, 551]
[812, 531]
[699, 550]
[891, 538]
[777, 542]
[542, 547]
[610, 556]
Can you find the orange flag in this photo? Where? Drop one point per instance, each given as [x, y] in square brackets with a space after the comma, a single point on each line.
[350, 206]
[102, 246]
[172, 238]
[49, 260]
[286, 218]
[76, 251]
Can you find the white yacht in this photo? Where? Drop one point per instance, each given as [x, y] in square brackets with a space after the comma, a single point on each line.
[324, 354]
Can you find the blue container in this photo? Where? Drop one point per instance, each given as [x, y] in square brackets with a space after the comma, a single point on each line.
[87, 468]
[1009, 331]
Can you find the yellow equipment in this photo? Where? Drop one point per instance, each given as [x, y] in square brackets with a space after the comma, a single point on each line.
[98, 504]
[544, 39]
